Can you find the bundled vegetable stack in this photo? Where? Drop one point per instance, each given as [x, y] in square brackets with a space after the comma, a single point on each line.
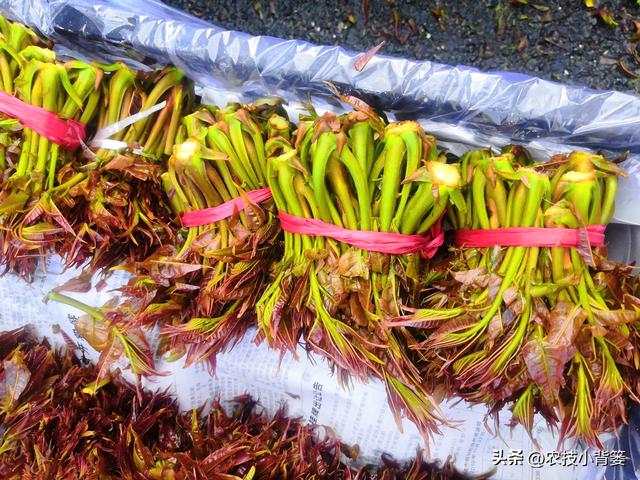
[358, 174]
[550, 330]
[203, 291]
[117, 207]
[52, 427]
[97, 207]
[29, 191]
[17, 44]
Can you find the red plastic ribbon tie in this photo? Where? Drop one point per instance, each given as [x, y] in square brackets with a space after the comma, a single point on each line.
[382, 242]
[68, 134]
[224, 210]
[531, 237]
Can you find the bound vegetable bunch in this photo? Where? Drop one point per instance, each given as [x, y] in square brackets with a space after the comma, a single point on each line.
[203, 291]
[30, 190]
[17, 44]
[116, 206]
[357, 173]
[549, 330]
[53, 427]
[94, 208]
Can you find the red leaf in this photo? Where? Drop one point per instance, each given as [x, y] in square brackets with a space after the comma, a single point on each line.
[615, 318]
[546, 358]
[14, 379]
[545, 363]
[171, 269]
[81, 283]
[564, 323]
[363, 59]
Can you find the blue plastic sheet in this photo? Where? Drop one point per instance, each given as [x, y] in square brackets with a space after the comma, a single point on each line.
[510, 105]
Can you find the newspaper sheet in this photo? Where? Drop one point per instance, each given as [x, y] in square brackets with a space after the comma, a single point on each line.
[358, 413]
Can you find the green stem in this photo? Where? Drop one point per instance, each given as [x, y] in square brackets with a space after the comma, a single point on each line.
[64, 299]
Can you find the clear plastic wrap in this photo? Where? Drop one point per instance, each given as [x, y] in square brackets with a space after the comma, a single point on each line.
[462, 106]
[505, 104]
[629, 441]
[512, 105]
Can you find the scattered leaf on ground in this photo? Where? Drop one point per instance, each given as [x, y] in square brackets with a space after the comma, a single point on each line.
[606, 17]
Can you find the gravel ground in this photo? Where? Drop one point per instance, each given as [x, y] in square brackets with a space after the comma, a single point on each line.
[561, 40]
